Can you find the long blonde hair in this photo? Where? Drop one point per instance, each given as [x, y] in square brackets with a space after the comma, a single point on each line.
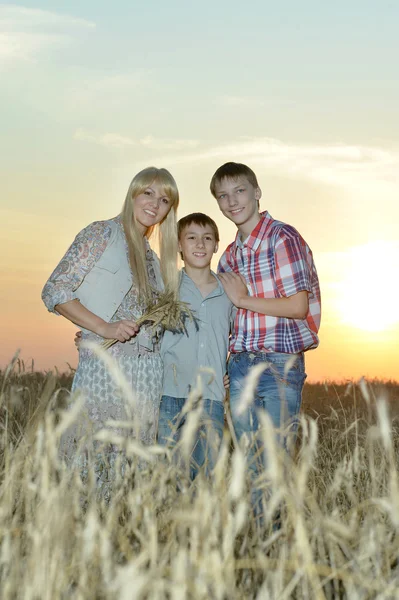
[167, 231]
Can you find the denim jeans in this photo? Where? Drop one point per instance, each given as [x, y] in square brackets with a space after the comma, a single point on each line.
[279, 393]
[208, 437]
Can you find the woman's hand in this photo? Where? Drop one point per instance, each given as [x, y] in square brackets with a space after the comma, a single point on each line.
[120, 330]
[82, 317]
[226, 381]
[78, 339]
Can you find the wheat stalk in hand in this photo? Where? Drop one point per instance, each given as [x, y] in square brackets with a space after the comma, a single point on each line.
[167, 311]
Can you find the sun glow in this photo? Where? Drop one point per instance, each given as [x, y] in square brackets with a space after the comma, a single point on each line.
[368, 296]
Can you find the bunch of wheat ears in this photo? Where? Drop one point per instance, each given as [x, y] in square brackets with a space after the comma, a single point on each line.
[165, 310]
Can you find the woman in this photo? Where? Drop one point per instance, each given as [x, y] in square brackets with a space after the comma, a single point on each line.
[103, 284]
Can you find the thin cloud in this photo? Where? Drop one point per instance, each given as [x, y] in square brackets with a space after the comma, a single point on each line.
[167, 144]
[113, 140]
[108, 140]
[236, 101]
[25, 32]
[337, 164]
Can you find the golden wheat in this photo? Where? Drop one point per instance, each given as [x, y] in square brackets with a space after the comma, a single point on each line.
[337, 497]
[167, 311]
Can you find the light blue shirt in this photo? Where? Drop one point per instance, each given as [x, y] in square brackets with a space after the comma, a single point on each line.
[185, 357]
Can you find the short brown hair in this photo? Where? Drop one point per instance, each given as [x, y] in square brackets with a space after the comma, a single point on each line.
[198, 219]
[232, 170]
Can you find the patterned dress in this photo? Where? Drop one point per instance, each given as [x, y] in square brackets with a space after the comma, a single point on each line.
[139, 359]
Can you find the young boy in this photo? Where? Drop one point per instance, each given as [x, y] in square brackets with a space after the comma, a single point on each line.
[205, 347]
[269, 275]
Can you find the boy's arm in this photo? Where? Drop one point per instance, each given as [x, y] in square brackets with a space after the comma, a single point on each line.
[292, 279]
[291, 307]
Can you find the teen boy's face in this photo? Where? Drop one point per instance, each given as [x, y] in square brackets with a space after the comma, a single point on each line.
[197, 244]
[239, 202]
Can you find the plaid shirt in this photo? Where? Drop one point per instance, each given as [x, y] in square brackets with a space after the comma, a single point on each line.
[276, 263]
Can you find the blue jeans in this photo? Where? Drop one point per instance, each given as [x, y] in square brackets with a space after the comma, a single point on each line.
[279, 393]
[208, 437]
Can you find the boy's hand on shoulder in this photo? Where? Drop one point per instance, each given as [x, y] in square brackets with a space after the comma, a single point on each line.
[235, 286]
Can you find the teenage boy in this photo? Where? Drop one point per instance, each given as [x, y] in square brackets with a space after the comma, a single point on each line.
[203, 351]
[269, 275]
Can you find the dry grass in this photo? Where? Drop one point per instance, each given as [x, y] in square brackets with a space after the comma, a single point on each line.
[339, 503]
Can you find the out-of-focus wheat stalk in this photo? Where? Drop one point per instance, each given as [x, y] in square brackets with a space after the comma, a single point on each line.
[160, 536]
[168, 311]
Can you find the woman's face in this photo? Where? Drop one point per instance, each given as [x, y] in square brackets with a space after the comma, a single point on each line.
[151, 206]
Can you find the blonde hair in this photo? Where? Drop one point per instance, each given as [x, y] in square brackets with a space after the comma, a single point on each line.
[167, 231]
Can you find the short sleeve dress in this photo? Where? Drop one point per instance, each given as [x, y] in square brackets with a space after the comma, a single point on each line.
[139, 360]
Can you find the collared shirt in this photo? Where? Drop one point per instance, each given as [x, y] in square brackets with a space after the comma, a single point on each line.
[276, 263]
[203, 353]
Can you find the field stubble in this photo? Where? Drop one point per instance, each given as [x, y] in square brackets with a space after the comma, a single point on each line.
[338, 500]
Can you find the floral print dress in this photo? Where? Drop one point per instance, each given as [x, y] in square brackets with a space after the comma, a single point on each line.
[139, 359]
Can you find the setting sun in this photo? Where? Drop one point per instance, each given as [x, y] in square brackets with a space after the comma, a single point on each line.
[367, 297]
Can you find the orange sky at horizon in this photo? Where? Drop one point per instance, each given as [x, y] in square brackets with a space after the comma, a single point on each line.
[342, 355]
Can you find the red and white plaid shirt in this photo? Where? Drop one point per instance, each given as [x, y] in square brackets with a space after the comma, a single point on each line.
[276, 263]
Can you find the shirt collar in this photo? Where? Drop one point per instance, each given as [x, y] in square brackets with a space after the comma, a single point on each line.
[216, 292]
[220, 288]
[257, 235]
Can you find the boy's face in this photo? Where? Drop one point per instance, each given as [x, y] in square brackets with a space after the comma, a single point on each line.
[197, 244]
[238, 200]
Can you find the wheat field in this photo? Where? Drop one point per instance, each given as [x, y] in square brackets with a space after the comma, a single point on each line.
[158, 537]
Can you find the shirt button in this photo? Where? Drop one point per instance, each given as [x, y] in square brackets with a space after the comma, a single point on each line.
[202, 345]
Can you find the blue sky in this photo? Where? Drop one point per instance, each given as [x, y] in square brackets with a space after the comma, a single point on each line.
[311, 70]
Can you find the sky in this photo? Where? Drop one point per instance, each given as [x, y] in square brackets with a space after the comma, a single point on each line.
[306, 93]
